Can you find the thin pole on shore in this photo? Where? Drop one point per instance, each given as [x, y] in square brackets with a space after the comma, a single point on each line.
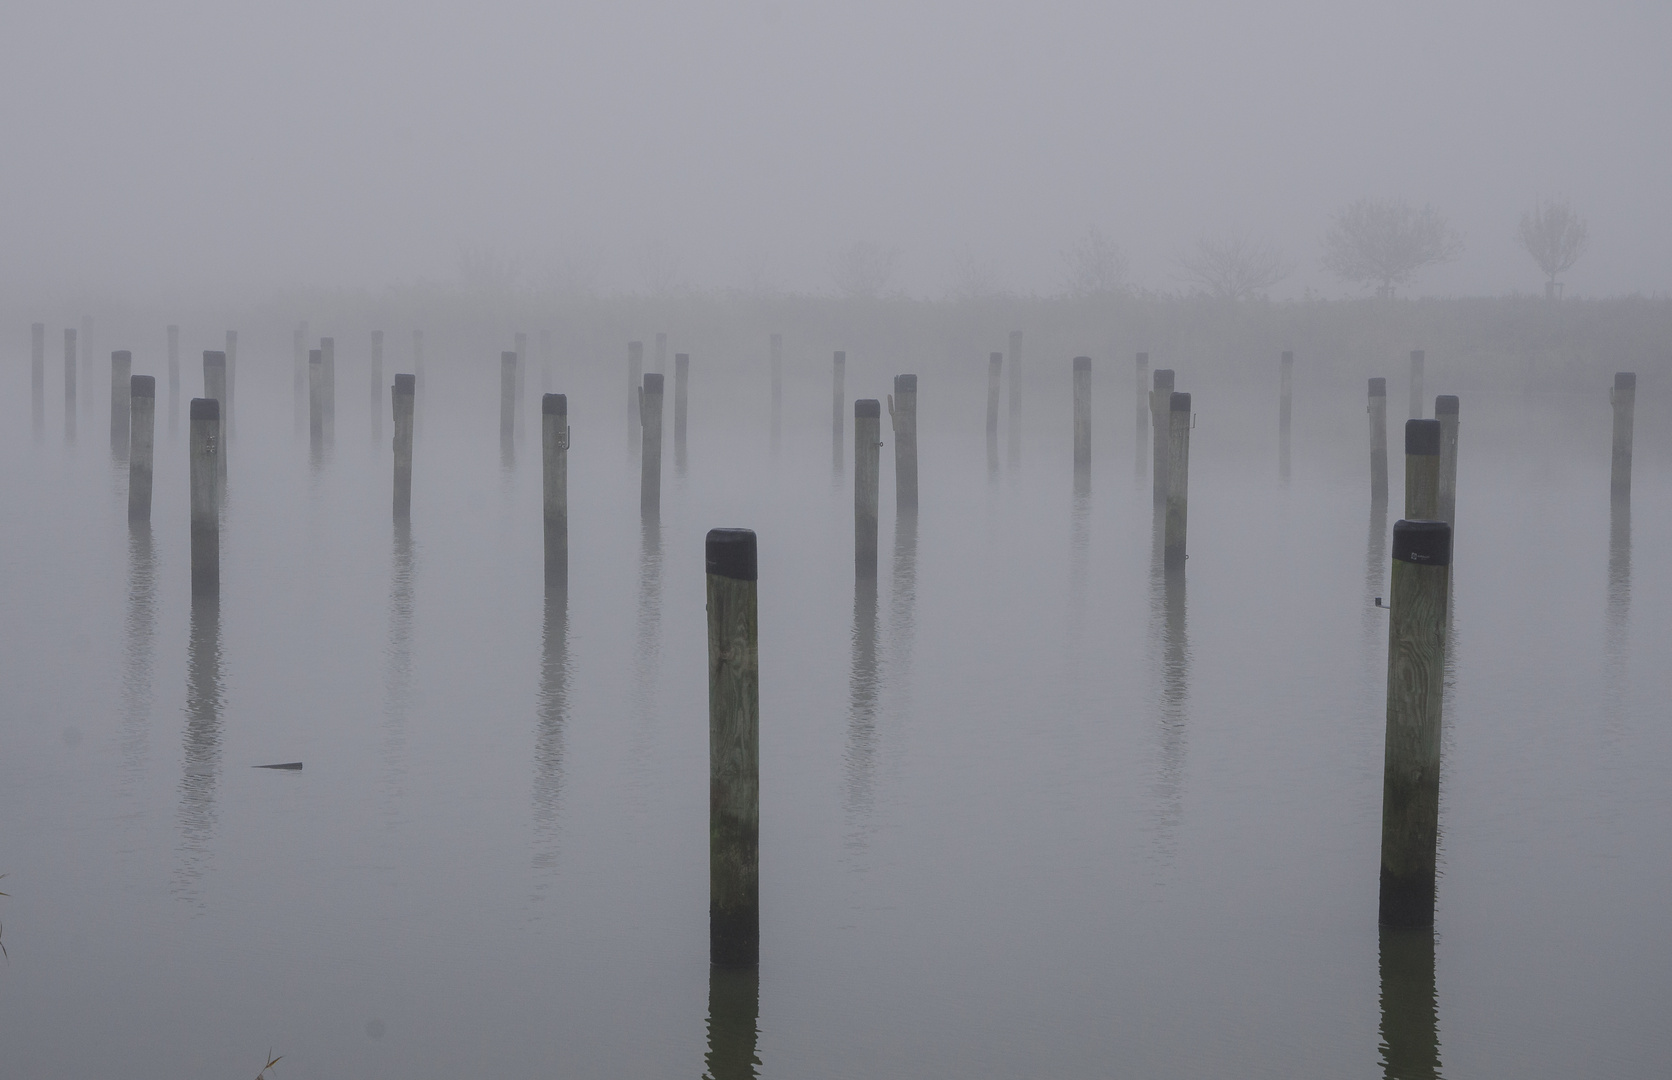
[733, 749]
[142, 425]
[316, 400]
[1378, 410]
[214, 388]
[1160, 400]
[681, 395]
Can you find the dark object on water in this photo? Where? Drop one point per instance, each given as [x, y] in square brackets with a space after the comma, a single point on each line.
[286, 765]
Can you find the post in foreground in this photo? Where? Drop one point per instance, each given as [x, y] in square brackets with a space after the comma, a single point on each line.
[733, 750]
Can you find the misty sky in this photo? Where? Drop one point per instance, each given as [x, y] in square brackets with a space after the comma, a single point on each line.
[158, 151]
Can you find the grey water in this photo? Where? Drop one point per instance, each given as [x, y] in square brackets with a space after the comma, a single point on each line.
[1030, 806]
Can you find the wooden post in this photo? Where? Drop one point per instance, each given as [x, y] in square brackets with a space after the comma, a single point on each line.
[902, 410]
[1417, 357]
[1015, 361]
[142, 397]
[1422, 470]
[681, 394]
[521, 341]
[838, 398]
[635, 375]
[403, 399]
[1178, 480]
[1415, 687]
[173, 379]
[1378, 411]
[1141, 418]
[1160, 400]
[554, 482]
[420, 388]
[214, 387]
[1410, 1014]
[1285, 400]
[867, 439]
[228, 424]
[298, 376]
[328, 377]
[733, 750]
[777, 371]
[316, 399]
[1445, 412]
[205, 446]
[84, 357]
[69, 385]
[995, 366]
[37, 375]
[1624, 399]
[507, 405]
[377, 387]
[121, 371]
[650, 460]
[1082, 417]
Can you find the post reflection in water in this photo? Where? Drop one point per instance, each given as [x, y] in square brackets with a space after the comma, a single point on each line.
[902, 606]
[1410, 1030]
[397, 679]
[553, 716]
[1167, 623]
[140, 626]
[202, 758]
[861, 752]
[733, 1017]
[1619, 580]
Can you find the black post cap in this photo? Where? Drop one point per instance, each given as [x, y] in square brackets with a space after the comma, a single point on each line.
[1378, 388]
[315, 356]
[905, 384]
[508, 357]
[731, 553]
[212, 357]
[1625, 380]
[653, 383]
[205, 408]
[142, 386]
[406, 384]
[867, 408]
[1163, 378]
[1082, 363]
[1445, 405]
[1422, 438]
[122, 356]
[554, 404]
[1425, 542]
[1179, 402]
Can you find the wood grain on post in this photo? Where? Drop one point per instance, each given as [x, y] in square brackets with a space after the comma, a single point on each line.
[204, 447]
[1445, 413]
[1160, 401]
[214, 387]
[902, 408]
[142, 425]
[1082, 416]
[69, 385]
[554, 485]
[867, 459]
[403, 403]
[1422, 470]
[681, 397]
[635, 376]
[838, 399]
[995, 368]
[650, 459]
[1415, 688]
[121, 372]
[1378, 410]
[1173, 551]
[1141, 417]
[1014, 359]
[733, 750]
[1285, 410]
[1417, 403]
[377, 387]
[1624, 399]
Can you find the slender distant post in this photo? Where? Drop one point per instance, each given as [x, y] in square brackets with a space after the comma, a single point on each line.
[84, 354]
[838, 398]
[205, 440]
[299, 375]
[902, 408]
[1285, 399]
[1415, 687]
[661, 354]
[522, 375]
[1417, 357]
[635, 377]
[328, 372]
[420, 388]
[1378, 441]
[1624, 399]
[545, 363]
[403, 399]
[377, 387]
[69, 385]
[1178, 480]
[554, 475]
[681, 392]
[37, 375]
[733, 750]
[1445, 412]
[1422, 470]
[142, 397]
[316, 399]
[1082, 417]
[867, 441]
[650, 459]
[214, 387]
[228, 424]
[777, 364]
[1015, 361]
[121, 371]
[507, 402]
[1141, 422]
[995, 368]
[173, 379]
[1160, 401]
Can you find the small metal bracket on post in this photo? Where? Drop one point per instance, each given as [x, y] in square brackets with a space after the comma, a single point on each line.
[563, 439]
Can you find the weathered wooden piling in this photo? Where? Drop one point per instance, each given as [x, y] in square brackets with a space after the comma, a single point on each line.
[214, 387]
[1173, 551]
[1141, 417]
[1445, 412]
[776, 363]
[1082, 416]
[1417, 403]
[1160, 402]
[328, 376]
[995, 369]
[1415, 688]
[69, 384]
[1624, 399]
[902, 410]
[403, 402]
[37, 375]
[1378, 410]
[173, 379]
[142, 427]
[867, 459]
[1285, 399]
[121, 371]
[1422, 470]
[377, 387]
[838, 398]
[554, 485]
[1014, 360]
[507, 397]
[650, 459]
[316, 398]
[681, 396]
[229, 425]
[635, 378]
[205, 447]
[733, 750]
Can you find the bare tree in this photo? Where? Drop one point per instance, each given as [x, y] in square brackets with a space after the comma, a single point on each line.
[1555, 236]
[1095, 266]
[1234, 266]
[865, 271]
[1386, 241]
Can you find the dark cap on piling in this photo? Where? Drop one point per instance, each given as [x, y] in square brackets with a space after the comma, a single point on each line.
[1625, 380]
[211, 356]
[554, 405]
[1445, 405]
[1163, 378]
[142, 386]
[867, 407]
[905, 384]
[1178, 402]
[1425, 542]
[1082, 363]
[1422, 438]
[731, 553]
[406, 384]
[205, 408]
[1378, 388]
[653, 383]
